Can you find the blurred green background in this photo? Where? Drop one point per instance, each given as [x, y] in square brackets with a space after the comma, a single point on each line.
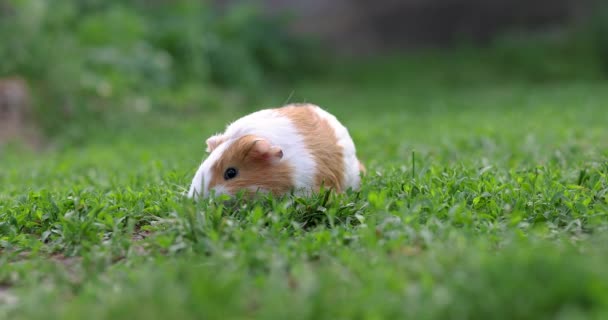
[95, 63]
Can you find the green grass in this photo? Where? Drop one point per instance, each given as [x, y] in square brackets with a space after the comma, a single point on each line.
[485, 198]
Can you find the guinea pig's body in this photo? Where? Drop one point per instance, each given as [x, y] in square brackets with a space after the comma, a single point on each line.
[296, 147]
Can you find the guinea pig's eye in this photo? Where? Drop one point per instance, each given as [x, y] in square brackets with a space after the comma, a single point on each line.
[230, 173]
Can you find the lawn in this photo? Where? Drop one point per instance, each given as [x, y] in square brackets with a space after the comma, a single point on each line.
[486, 198]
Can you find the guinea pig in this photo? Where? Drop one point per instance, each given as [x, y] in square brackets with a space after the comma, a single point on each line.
[295, 148]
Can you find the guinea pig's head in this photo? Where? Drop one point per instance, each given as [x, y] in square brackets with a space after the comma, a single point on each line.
[248, 163]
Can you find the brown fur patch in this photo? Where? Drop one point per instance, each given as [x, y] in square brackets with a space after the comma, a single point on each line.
[252, 171]
[322, 142]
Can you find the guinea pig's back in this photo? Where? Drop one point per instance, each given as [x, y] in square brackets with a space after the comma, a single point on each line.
[329, 144]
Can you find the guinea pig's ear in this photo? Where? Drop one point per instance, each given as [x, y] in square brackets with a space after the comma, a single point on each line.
[214, 141]
[263, 150]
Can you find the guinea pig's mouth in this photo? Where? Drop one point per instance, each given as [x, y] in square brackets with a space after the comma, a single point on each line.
[220, 190]
[246, 192]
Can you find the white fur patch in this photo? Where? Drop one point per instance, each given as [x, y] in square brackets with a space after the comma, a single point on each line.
[196, 185]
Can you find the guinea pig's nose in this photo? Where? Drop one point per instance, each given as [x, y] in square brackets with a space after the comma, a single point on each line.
[280, 153]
